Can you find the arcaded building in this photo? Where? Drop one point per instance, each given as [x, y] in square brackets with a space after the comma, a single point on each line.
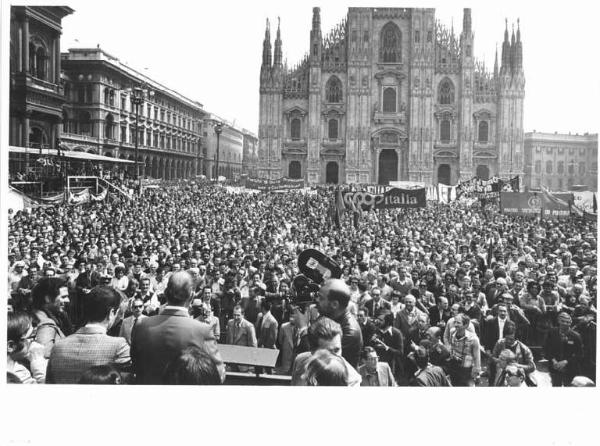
[391, 94]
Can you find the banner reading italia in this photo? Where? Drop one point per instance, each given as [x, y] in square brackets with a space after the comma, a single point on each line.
[393, 198]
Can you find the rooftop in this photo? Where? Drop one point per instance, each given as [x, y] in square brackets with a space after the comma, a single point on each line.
[98, 54]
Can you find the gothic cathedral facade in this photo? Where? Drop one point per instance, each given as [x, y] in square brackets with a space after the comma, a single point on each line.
[391, 94]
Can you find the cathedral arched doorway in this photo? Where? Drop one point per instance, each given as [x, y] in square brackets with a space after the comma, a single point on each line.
[483, 172]
[332, 171]
[444, 174]
[295, 170]
[388, 166]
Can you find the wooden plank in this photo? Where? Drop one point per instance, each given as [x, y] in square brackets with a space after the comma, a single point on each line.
[237, 354]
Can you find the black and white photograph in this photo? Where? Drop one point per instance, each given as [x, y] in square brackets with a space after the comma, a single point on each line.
[266, 195]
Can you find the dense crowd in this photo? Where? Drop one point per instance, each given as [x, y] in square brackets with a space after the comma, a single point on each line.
[144, 291]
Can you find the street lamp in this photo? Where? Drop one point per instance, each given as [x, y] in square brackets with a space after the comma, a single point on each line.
[218, 126]
[138, 95]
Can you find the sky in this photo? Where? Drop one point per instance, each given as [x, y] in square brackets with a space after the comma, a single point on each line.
[211, 51]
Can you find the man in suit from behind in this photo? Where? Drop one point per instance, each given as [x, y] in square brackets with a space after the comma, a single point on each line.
[266, 327]
[373, 372]
[90, 345]
[286, 340]
[158, 340]
[137, 306]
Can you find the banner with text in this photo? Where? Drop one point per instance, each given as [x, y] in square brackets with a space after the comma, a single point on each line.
[393, 198]
[531, 203]
[280, 184]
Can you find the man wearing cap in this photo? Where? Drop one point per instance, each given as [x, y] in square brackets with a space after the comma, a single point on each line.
[564, 350]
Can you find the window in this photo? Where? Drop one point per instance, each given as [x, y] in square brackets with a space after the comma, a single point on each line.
[389, 100]
[548, 166]
[88, 94]
[333, 128]
[468, 50]
[155, 113]
[560, 184]
[149, 138]
[483, 131]
[85, 124]
[390, 44]
[334, 90]
[571, 168]
[446, 92]
[354, 35]
[123, 102]
[417, 36]
[445, 130]
[81, 94]
[65, 121]
[582, 168]
[41, 61]
[123, 134]
[108, 126]
[295, 129]
[538, 166]
[366, 37]
[561, 167]
[429, 36]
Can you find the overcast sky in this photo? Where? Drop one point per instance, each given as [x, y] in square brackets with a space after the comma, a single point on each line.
[211, 51]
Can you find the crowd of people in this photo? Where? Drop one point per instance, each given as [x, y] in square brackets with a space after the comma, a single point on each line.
[144, 291]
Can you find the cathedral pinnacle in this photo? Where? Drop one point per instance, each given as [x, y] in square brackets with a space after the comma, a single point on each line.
[278, 52]
[496, 62]
[467, 20]
[266, 60]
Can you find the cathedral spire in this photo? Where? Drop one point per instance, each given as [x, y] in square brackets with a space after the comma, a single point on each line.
[513, 49]
[467, 20]
[278, 53]
[496, 62]
[316, 21]
[266, 59]
[519, 49]
[505, 49]
[316, 39]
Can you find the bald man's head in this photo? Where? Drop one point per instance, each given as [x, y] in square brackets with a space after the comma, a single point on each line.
[334, 296]
[179, 289]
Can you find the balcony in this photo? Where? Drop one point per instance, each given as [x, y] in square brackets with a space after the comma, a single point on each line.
[445, 144]
[294, 146]
[487, 146]
[332, 143]
[79, 137]
[389, 118]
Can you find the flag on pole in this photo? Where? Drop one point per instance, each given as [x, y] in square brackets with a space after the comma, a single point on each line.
[339, 207]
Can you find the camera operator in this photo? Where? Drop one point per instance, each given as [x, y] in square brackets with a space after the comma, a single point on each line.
[333, 299]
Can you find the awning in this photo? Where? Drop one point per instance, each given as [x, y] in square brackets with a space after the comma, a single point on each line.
[84, 156]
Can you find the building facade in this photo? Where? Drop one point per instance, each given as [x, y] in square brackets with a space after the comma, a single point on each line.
[36, 92]
[391, 94]
[561, 162]
[250, 156]
[99, 116]
[230, 148]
